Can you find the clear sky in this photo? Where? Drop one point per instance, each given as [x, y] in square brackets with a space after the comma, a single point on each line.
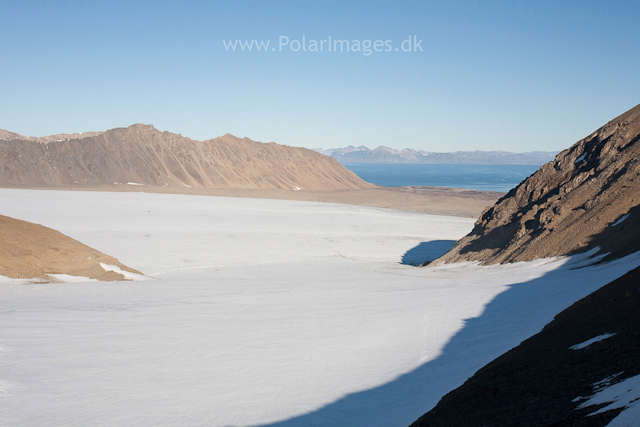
[512, 75]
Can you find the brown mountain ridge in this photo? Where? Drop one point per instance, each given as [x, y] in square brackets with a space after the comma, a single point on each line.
[9, 136]
[141, 154]
[587, 197]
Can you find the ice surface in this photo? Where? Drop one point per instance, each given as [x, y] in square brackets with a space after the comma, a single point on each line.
[605, 382]
[266, 311]
[591, 341]
[624, 394]
[67, 278]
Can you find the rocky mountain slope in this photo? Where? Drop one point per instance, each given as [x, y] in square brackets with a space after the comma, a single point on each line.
[547, 379]
[9, 136]
[140, 154]
[390, 155]
[30, 250]
[588, 197]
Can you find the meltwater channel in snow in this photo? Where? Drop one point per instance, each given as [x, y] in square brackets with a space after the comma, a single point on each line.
[261, 312]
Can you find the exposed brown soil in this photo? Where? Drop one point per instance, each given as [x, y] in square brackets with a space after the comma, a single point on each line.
[538, 381]
[141, 154]
[432, 200]
[30, 250]
[570, 205]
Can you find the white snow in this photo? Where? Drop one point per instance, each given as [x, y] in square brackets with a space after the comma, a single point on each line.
[266, 311]
[618, 222]
[624, 394]
[591, 341]
[8, 280]
[127, 275]
[297, 188]
[134, 183]
[67, 278]
[581, 158]
[606, 381]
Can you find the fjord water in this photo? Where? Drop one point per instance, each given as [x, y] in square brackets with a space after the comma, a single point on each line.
[476, 177]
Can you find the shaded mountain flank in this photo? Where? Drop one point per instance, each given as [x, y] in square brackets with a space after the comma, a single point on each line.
[382, 154]
[587, 197]
[140, 154]
[547, 379]
[30, 251]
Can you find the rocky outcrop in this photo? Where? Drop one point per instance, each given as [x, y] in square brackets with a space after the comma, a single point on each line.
[29, 251]
[140, 154]
[587, 197]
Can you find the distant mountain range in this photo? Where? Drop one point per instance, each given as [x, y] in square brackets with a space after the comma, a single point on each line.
[363, 154]
[10, 136]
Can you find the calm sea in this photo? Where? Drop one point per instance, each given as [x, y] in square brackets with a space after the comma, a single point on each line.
[477, 177]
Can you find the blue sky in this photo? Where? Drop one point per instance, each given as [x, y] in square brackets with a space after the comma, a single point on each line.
[516, 76]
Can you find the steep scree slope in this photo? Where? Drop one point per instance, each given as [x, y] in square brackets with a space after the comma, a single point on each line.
[587, 197]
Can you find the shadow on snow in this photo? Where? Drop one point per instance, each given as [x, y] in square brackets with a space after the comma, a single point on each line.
[514, 315]
[426, 252]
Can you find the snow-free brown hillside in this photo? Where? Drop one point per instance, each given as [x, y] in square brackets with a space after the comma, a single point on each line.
[588, 197]
[141, 154]
[29, 251]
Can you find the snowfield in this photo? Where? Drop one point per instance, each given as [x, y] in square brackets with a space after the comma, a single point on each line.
[261, 312]
[624, 394]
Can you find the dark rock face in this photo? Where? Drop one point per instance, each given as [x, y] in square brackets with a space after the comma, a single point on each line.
[542, 382]
[141, 154]
[577, 202]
